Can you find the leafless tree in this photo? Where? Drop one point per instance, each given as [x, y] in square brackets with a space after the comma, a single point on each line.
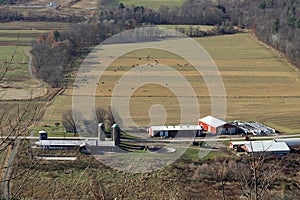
[101, 114]
[256, 173]
[113, 116]
[72, 121]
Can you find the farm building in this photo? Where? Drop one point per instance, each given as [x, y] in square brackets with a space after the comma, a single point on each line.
[269, 146]
[63, 144]
[291, 142]
[172, 131]
[217, 126]
[100, 143]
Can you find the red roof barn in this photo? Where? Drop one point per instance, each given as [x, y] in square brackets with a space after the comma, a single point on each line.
[217, 126]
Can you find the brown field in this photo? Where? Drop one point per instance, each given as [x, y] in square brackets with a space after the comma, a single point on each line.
[259, 84]
[20, 25]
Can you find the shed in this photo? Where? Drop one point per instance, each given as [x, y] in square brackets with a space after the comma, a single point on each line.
[217, 126]
[269, 146]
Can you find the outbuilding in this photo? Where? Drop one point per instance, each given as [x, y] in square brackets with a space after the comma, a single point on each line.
[217, 126]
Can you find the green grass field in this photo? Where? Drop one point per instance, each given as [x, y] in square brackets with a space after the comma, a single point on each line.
[259, 84]
[18, 71]
[18, 36]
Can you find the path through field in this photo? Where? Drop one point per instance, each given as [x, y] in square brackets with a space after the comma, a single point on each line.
[30, 69]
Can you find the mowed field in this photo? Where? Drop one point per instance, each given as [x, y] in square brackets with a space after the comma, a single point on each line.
[16, 40]
[260, 85]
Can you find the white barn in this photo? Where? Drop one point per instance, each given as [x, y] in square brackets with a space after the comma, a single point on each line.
[268, 146]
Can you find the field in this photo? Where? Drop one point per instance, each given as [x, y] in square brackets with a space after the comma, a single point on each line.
[69, 4]
[85, 4]
[260, 85]
[20, 25]
[16, 39]
[153, 3]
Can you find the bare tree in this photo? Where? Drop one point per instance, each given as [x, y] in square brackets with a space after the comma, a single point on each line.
[101, 114]
[113, 116]
[72, 121]
[256, 173]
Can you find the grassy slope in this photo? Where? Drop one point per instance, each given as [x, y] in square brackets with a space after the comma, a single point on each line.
[259, 84]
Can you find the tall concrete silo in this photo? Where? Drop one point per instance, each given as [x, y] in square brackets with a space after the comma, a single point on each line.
[116, 132]
[101, 132]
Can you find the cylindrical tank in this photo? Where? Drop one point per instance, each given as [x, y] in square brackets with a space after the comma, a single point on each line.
[116, 132]
[101, 132]
[43, 135]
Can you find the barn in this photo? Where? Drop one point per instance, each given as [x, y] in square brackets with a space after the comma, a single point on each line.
[178, 131]
[291, 142]
[266, 146]
[217, 126]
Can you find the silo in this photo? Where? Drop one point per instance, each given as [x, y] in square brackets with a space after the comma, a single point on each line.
[116, 134]
[43, 135]
[101, 132]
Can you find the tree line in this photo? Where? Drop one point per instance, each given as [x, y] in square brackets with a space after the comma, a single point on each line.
[191, 12]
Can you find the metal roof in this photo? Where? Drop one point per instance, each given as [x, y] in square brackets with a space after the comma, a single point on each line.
[176, 128]
[266, 146]
[239, 142]
[289, 141]
[67, 143]
[212, 121]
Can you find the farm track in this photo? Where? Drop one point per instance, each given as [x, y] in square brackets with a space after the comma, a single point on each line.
[39, 84]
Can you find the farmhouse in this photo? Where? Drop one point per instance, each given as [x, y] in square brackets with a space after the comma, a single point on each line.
[217, 126]
[172, 131]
